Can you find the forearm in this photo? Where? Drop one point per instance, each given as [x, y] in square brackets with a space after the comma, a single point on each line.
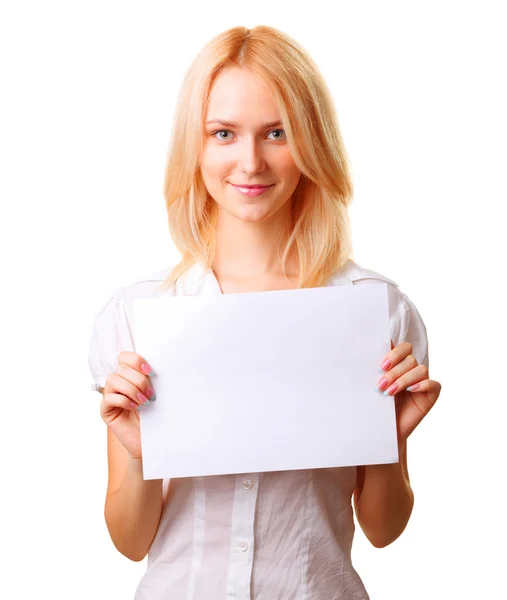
[386, 501]
[133, 512]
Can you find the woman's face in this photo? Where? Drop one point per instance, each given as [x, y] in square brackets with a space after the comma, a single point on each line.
[248, 152]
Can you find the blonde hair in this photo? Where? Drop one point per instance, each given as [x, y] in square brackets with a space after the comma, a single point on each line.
[319, 228]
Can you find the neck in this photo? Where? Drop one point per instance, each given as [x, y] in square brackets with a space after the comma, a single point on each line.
[247, 250]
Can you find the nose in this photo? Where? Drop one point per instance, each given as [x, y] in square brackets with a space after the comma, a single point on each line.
[251, 159]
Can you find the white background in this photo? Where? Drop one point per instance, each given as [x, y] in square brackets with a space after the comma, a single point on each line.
[87, 98]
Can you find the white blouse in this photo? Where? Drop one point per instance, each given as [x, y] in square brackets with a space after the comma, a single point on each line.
[281, 535]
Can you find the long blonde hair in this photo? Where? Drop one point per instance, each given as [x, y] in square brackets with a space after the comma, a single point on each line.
[319, 227]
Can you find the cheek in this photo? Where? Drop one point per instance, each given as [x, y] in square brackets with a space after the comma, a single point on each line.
[214, 165]
[287, 166]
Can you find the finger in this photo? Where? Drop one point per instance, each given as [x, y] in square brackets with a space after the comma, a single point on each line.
[133, 367]
[121, 383]
[135, 361]
[141, 381]
[111, 403]
[426, 385]
[394, 385]
[395, 355]
[391, 375]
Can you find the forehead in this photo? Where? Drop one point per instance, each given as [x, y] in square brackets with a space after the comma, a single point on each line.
[241, 96]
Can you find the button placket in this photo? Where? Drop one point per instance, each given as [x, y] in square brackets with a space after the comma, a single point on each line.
[242, 537]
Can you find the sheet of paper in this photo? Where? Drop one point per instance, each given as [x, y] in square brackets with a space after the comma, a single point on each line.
[265, 381]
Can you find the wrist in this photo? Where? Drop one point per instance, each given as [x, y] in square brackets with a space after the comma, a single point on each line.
[135, 461]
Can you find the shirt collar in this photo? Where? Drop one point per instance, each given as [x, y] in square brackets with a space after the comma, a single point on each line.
[200, 280]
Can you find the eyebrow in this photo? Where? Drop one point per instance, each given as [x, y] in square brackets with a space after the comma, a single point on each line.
[237, 125]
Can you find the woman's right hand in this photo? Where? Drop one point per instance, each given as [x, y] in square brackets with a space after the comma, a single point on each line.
[123, 394]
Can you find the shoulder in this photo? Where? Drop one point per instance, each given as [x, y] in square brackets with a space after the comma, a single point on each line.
[358, 273]
[120, 299]
[145, 286]
[113, 323]
[406, 322]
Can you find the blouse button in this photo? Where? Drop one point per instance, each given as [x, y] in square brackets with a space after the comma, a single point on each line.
[247, 484]
[243, 546]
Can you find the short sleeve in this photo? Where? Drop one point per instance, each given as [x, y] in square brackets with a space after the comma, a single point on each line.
[407, 326]
[111, 334]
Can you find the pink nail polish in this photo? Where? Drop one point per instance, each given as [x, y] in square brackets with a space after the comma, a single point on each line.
[385, 365]
[146, 368]
[142, 398]
[382, 384]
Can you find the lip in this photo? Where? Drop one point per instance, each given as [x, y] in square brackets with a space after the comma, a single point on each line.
[252, 190]
[253, 186]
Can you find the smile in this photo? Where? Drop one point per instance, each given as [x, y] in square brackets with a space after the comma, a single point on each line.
[252, 191]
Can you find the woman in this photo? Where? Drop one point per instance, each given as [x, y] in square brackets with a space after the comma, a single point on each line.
[254, 111]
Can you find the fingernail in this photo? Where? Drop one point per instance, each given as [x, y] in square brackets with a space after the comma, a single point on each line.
[391, 390]
[382, 384]
[145, 404]
[150, 392]
[386, 365]
[413, 388]
[146, 369]
[142, 398]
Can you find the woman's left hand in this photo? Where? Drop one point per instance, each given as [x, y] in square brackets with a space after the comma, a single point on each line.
[414, 394]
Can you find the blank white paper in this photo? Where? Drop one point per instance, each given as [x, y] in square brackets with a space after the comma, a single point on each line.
[265, 381]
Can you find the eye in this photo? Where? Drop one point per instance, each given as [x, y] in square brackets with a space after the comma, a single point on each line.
[227, 131]
[221, 131]
[282, 130]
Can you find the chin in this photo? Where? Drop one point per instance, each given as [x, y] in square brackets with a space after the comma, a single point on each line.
[247, 213]
[252, 216]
